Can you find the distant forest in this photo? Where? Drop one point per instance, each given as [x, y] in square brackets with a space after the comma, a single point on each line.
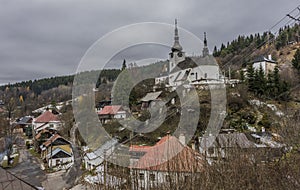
[40, 85]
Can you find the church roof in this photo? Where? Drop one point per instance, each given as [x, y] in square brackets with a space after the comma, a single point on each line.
[192, 62]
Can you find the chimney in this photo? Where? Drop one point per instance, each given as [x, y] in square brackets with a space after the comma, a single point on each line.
[270, 57]
[182, 139]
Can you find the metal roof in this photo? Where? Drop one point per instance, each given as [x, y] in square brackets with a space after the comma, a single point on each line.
[151, 96]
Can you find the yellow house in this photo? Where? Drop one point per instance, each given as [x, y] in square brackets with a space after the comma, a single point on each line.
[57, 151]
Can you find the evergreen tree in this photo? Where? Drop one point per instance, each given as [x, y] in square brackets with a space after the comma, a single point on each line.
[276, 81]
[124, 65]
[242, 76]
[251, 77]
[215, 53]
[296, 60]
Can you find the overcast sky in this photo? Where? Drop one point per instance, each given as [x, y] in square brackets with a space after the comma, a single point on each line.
[43, 38]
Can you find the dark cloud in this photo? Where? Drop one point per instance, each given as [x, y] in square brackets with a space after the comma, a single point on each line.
[47, 38]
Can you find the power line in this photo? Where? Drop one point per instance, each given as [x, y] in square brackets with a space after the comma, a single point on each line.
[268, 39]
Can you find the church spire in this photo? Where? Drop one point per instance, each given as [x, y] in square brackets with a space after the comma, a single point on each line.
[205, 51]
[176, 46]
[205, 40]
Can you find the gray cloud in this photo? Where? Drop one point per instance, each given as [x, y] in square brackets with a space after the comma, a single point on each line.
[48, 38]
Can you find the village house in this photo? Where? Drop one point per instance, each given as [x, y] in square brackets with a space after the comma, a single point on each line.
[167, 164]
[47, 120]
[151, 97]
[267, 64]
[111, 112]
[197, 70]
[219, 147]
[254, 147]
[57, 151]
[95, 158]
[42, 137]
[22, 124]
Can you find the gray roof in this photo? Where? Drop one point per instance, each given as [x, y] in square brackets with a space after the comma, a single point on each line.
[24, 120]
[231, 140]
[57, 150]
[151, 96]
[96, 157]
[11, 181]
[263, 58]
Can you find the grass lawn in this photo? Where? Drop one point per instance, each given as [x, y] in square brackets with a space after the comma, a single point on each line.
[34, 153]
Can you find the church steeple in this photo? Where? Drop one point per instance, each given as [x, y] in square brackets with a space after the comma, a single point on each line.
[205, 51]
[176, 46]
[205, 40]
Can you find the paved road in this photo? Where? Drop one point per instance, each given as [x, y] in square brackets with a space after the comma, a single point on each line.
[74, 173]
[28, 168]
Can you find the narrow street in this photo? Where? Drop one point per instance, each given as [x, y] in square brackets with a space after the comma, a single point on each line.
[29, 168]
[74, 173]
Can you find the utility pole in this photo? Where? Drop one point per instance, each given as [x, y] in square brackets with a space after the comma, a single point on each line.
[50, 153]
[104, 167]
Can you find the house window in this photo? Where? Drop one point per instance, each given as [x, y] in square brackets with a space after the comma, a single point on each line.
[141, 176]
[211, 150]
[168, 179]
[152, 177]
[187, 179]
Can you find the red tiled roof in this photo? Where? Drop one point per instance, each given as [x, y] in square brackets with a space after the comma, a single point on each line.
[137, 148]
[51, 139]
[110, 110]
[170, 155]
[46, 117]
[40, 133]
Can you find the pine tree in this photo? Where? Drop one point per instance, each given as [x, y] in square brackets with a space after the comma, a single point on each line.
[124, 65]
[215, 53]
[274, 83]
[296, 60]
[251, 78]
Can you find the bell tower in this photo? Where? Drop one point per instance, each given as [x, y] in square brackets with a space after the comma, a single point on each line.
[176, 54]
[205, 51]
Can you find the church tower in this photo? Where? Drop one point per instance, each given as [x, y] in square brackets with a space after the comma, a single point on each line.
[176, 55]
[205, 51]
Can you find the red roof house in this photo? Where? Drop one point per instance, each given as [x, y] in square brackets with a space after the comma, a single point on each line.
[110, 112]
[47, 120]
[46, 117]
[170, 155]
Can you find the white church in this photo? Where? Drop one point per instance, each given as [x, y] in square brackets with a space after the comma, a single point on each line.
[187, 70]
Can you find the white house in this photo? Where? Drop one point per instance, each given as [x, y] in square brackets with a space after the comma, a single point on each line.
[267, 64]
[57, 151]
[47, 120]
[111, 112]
